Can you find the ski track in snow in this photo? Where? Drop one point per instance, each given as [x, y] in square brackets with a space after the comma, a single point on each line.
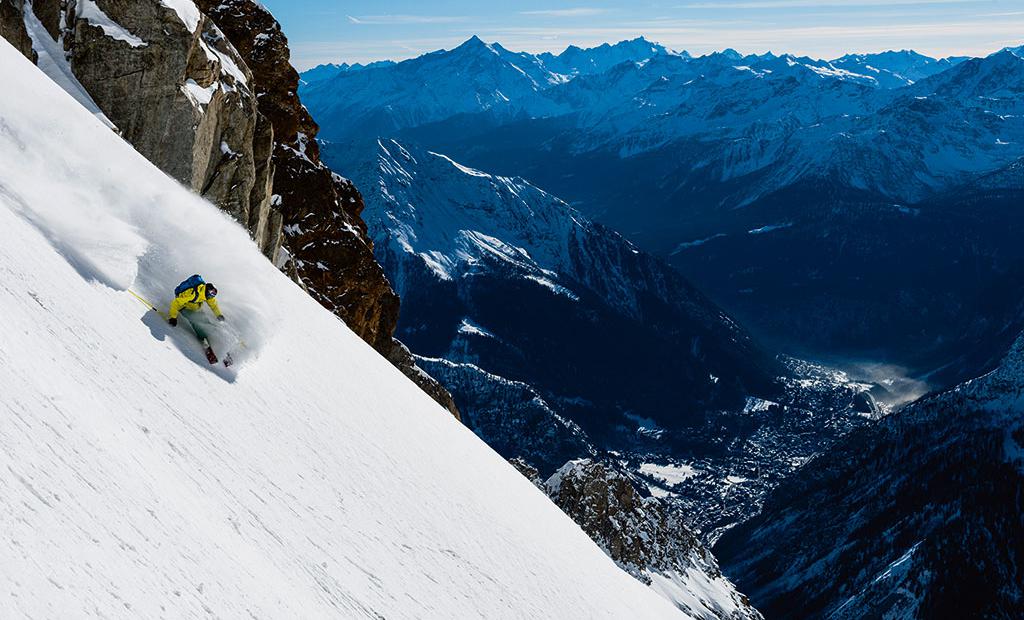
[317, 482]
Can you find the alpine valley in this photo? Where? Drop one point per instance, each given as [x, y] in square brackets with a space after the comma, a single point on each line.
[700, 278]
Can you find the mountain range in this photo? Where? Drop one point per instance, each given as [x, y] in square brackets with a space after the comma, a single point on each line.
[774, 182]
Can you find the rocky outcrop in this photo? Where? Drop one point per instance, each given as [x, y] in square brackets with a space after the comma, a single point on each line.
[175, 88]
[323, 233]
[402, 358]
[645, 538]
[180, 93]
[12, 27]
[510, 416]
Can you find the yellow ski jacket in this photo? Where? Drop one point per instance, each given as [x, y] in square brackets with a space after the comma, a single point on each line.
[192, 300]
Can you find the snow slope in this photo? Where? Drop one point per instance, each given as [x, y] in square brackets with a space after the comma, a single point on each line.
[317, 482]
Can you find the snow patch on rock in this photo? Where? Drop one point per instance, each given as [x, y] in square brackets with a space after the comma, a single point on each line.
[187, 12]
[91, 12]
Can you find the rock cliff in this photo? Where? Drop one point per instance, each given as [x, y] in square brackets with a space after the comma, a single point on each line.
[12, 27]
[645, 538]
[324, 236]
[179, 92]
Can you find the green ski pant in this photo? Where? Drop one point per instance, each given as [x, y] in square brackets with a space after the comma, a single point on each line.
[198, 322]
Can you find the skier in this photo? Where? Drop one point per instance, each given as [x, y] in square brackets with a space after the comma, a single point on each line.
[189, 297]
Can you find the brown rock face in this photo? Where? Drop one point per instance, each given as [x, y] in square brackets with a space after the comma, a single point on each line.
[175, 88]
[181, 94]
[49, 14]
[12, 27]
[323, 234]
[635, 531]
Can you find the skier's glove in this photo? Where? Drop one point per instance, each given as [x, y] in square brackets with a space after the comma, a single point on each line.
[173, 321]
[220, 318]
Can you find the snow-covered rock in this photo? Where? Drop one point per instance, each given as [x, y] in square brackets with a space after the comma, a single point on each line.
[648, 540]
[894, 69]
[312, 481]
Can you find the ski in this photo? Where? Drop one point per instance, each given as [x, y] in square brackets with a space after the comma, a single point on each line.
[210, 355]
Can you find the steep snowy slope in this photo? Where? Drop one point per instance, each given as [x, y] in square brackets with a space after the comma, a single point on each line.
[315, 482]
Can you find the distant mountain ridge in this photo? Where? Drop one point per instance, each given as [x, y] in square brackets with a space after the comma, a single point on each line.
[893, 69]
[688, 157]
[505, 81]
[329, 70]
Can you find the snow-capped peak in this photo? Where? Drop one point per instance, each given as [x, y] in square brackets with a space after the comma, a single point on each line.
[481, 217]
[476, 44]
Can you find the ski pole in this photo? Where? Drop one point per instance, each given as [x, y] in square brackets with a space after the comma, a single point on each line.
[147, 303]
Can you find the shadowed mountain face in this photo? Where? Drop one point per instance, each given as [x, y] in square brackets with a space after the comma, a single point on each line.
[561, 340]
[917, 517]
[831, 206]
[496, 273]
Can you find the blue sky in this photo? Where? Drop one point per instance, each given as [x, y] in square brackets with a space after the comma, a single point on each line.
[364, 30]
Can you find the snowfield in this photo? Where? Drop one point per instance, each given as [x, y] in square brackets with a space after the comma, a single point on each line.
[316, 482]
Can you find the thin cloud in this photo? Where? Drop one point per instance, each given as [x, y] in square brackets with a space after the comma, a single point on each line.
[976, 38]
[577, 12]
[393, 20]
[786, 4]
